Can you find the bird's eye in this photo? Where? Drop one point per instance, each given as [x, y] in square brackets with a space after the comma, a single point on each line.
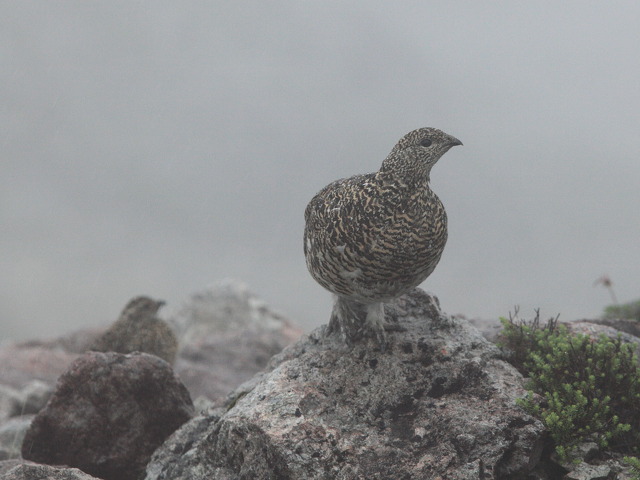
[425, 142]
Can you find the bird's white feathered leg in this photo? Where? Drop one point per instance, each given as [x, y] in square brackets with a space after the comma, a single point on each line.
[376, 322]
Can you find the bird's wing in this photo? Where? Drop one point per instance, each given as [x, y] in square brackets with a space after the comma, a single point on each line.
[337, 205]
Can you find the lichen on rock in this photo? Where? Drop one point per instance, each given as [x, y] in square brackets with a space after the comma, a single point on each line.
[438, 401]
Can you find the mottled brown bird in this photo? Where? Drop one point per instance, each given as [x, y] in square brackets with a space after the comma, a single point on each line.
[139, 330]
[371, 238]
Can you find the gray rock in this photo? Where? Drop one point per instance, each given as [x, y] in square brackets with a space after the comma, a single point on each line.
[29, 399]
[12, 434]
[630, 326]
[185, 445]
[34, 396]
[581, 453]
[109, 412]
[20, 363]
[77, 341]
[9, 401]
[490, 329]
[584, 471]
[437, 402]
[202, 404]
[44, 472]
[227, 334]
[595, 330]
[228, 306]
[6, 465]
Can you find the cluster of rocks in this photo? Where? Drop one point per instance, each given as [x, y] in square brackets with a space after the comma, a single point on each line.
[64, 403]
[108, 414]
[438, 402]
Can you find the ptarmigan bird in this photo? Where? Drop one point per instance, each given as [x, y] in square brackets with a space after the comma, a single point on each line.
[371, 238]
[138, 329]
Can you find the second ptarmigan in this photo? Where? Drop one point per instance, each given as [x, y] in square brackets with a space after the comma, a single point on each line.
[371, 238]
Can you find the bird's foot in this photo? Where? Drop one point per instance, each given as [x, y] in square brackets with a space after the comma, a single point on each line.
[392, 314]
[378, 324]
[354, 321]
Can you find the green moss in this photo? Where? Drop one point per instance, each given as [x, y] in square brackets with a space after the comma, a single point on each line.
[590, 388]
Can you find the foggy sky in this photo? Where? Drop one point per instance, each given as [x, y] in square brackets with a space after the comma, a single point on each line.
[158, 147]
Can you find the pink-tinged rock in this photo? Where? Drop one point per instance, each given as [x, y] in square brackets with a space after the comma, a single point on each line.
[596, 328]
[227, 334]
[41, 472]
[438, 402]
[22, 363]
[108, 414]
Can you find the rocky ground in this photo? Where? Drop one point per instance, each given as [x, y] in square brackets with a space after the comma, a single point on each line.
[438, 402]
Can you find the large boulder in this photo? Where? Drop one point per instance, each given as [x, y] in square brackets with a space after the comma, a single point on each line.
[437, 402]
[108, 414]
[227, 334]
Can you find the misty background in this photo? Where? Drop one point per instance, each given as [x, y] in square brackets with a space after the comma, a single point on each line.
[158, 147]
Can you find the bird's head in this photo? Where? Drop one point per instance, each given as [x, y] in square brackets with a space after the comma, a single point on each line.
[410, 161]
[141, 307]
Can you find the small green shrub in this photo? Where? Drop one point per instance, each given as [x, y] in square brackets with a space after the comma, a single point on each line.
[629, 310]
[634, 463]
[590, 387]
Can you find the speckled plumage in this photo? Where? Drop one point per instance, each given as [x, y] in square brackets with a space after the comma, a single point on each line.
[371, 238]
[138, 329]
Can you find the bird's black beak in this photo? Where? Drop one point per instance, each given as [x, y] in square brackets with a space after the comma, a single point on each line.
[453, 142]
